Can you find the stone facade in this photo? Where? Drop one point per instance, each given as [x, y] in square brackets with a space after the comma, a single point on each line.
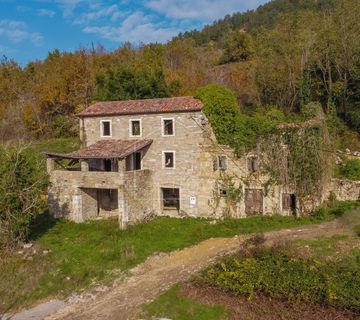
[195, 185]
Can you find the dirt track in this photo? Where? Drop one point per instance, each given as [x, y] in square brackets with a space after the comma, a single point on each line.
[158, 273]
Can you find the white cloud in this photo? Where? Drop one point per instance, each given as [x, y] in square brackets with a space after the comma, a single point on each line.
[201, 10]
[68, 6]
[16, 31]
[112, 12]
[136, 28]
[46, 13]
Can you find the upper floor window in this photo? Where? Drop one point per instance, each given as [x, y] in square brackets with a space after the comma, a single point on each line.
[169, 159]
[135, 128]
[105, 128]
[252, 163]
[168, 127]
[220, 163]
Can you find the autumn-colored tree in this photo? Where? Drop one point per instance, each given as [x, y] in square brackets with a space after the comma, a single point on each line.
[238, 47]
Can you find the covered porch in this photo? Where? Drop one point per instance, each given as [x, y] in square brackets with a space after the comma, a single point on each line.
[103, 156]
[90, 183]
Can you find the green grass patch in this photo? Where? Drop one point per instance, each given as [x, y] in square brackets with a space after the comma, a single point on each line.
[350, 169]
[173, 306]
[81, 253]
[61, 145]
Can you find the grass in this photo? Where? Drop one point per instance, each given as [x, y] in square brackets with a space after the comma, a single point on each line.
[81, 253]
[173, 306]
[55, 145]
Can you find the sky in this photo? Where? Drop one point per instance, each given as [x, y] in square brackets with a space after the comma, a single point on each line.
[29, 29]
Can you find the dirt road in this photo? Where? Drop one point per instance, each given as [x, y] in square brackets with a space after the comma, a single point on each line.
[158, 273]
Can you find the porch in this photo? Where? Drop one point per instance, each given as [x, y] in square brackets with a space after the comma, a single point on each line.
[91, 183]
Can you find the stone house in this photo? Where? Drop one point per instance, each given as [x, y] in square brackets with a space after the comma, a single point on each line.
[156, 157]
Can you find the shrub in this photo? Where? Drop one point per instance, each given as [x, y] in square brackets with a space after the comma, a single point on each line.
[22, 184]
[350, 169]
[221, 109]
[278, 275]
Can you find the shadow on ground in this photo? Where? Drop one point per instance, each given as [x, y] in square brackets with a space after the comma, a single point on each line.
[41, 224]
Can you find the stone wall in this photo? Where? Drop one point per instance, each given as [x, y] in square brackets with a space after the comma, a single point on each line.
[194, 174]
[345, 189]
[72, 194]
[138, 193]
[195, 150]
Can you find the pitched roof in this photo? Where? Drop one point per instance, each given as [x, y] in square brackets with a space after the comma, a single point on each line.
[105, 149]
[161, 105]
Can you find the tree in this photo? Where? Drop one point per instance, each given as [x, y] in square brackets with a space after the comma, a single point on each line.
[22, 184]
[126, 83]
[239, 47]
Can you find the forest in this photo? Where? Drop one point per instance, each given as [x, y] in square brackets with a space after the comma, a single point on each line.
[283, 55]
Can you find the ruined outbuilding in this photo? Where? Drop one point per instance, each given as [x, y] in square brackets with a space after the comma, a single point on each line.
[160, 157]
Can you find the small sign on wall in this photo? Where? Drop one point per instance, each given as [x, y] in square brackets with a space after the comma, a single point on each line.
[193, 200]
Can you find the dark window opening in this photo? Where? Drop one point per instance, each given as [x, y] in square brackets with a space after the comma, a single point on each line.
[133, 162]
[289, 202]
[169, 159]
[223, 192]
[107, 165]
[171, 198]
[168, 127]
[107, 200]
[252, 164]
[106, 129]
[222, 162]
[137, 161]
[135, 128]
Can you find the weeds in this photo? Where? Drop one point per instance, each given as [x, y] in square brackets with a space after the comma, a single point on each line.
[277, 274]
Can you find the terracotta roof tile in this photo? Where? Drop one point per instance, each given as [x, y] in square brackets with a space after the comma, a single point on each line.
[105, 149]
[163, 105]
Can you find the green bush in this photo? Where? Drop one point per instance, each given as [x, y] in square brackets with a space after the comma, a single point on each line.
[221, 109]
[231, 126]
[278, 275]
[334, 209]
[350, 169]
[22, 184]
[64, 126]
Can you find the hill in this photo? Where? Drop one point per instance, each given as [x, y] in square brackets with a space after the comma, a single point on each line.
[285, 54]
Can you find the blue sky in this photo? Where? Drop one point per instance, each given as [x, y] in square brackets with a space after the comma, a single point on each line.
[29, 29]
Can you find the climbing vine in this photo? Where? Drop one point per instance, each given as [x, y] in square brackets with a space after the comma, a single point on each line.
[298, 157]
[234, 193]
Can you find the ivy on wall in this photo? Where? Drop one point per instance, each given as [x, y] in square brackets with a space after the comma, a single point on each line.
[296, 155]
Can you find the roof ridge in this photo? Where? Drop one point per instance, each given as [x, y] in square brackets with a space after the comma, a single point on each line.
[143, 106]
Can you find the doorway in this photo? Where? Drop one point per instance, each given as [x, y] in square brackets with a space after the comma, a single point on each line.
[253, 202]
[289, 203]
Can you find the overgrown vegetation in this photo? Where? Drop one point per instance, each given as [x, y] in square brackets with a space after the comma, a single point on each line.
[278, 274]
[233, 127]
[319, 274]
[78, 254]
[22, 184]
[349, 169]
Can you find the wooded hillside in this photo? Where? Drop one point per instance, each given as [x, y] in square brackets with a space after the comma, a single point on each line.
[286, 54]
